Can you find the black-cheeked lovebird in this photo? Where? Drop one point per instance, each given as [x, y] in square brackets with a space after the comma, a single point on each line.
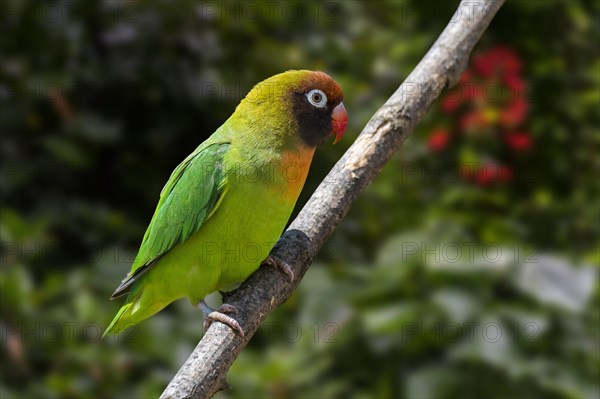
[225, 206]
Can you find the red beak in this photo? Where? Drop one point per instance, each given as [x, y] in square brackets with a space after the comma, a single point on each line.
[339, 119]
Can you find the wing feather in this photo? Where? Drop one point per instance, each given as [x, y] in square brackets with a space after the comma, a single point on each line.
[190, 197]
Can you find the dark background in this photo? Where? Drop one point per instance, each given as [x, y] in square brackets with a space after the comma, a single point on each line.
[467, 269]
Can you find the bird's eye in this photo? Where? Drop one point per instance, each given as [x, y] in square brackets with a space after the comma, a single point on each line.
[317, 98]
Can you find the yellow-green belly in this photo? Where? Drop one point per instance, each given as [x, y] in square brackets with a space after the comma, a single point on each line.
[228, 248]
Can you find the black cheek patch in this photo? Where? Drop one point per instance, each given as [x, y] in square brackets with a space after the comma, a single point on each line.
[314, 123]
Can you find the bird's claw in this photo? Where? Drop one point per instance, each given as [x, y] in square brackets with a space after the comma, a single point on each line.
[274, 261]
[219, 315]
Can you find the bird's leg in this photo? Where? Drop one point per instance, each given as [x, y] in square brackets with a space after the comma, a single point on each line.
[211, 315]
[274, 261]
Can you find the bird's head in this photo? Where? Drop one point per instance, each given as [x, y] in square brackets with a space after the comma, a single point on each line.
[305, 103]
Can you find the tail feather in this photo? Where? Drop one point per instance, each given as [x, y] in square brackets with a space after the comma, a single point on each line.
[136, 308]
[120, 322]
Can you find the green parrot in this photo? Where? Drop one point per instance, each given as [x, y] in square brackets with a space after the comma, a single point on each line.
[225, 206]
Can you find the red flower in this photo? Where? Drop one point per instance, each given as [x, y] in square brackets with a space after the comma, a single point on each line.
[493, 172]
[508, 62]
[515, 83]
[465, 77]
[520, 141]
[438, 140]
[498, 61]
[515, 113]
[451, 101]
[483, 65]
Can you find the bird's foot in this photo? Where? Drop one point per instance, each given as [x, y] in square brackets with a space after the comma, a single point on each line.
[274, 261]
[211, 315]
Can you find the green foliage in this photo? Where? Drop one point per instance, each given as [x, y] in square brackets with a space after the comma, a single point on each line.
[438, 283]
[426, 323]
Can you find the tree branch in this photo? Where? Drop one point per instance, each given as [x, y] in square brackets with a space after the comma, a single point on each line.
[203, 374]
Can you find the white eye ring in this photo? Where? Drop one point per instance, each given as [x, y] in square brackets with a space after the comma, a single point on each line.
[317, 98]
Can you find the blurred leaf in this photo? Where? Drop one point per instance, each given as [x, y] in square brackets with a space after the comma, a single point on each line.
[552, 281]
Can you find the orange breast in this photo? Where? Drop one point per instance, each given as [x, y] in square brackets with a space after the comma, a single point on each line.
[294, 168]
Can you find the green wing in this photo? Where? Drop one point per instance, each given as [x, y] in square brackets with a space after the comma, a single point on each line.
[187, 200]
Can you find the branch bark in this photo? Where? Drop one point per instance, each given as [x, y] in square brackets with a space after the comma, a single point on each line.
[203, 374]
